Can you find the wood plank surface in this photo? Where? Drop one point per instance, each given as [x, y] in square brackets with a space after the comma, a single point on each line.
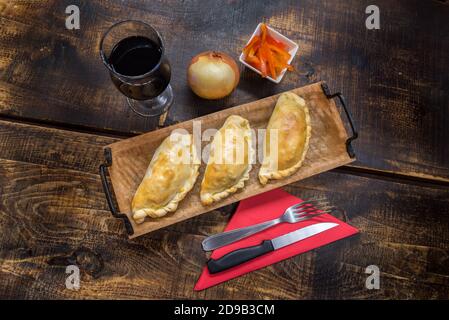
[327, 150]
[395, 79]
[53, 213]
[53, 86]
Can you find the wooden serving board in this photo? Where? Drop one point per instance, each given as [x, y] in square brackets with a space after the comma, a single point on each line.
[327, 150]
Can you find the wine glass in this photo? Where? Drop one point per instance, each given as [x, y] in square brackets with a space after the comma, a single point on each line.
[133, 52]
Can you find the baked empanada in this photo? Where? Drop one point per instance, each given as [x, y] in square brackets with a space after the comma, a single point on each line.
[171, 174]
[229, 162]
[289, 132]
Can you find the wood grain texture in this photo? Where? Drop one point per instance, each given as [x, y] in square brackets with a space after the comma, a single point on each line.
[130, 158]
[54, 213]
[395, 79]
[52, 208]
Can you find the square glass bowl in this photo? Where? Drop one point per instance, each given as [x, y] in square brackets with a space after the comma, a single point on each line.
[292, 49]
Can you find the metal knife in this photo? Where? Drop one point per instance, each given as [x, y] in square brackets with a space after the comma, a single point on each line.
[239, 256]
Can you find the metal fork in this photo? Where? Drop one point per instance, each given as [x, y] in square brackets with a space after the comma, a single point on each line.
[296, 213]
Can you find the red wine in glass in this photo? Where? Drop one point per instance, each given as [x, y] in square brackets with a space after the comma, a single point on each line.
[134, 55]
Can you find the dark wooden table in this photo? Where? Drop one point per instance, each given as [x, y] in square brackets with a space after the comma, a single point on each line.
[58, 108]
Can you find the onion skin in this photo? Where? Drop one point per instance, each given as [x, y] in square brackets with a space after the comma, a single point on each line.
[213, 75]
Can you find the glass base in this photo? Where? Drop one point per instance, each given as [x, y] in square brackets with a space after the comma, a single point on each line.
[153, 107]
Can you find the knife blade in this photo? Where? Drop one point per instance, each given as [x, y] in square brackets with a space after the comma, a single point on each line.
[239, 256]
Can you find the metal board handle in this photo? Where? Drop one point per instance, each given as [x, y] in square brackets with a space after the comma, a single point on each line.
[355, 134]
[109, 193]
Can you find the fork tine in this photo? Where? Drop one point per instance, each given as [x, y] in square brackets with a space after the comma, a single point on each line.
[317, 203]
[302, 203]
[305, 214]
[309, 203]
[301, 218]
[312, 210]
[295, 206]
[312, 214]
[309, 208]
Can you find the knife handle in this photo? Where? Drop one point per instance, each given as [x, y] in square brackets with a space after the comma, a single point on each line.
[234, 258]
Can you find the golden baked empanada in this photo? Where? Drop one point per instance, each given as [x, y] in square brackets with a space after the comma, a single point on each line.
[171, 174]
[289, 130]
[229, 161]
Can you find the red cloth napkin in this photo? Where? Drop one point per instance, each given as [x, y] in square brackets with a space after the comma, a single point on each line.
[260, 208]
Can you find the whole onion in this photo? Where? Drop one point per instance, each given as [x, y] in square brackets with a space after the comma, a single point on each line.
[212, 75]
